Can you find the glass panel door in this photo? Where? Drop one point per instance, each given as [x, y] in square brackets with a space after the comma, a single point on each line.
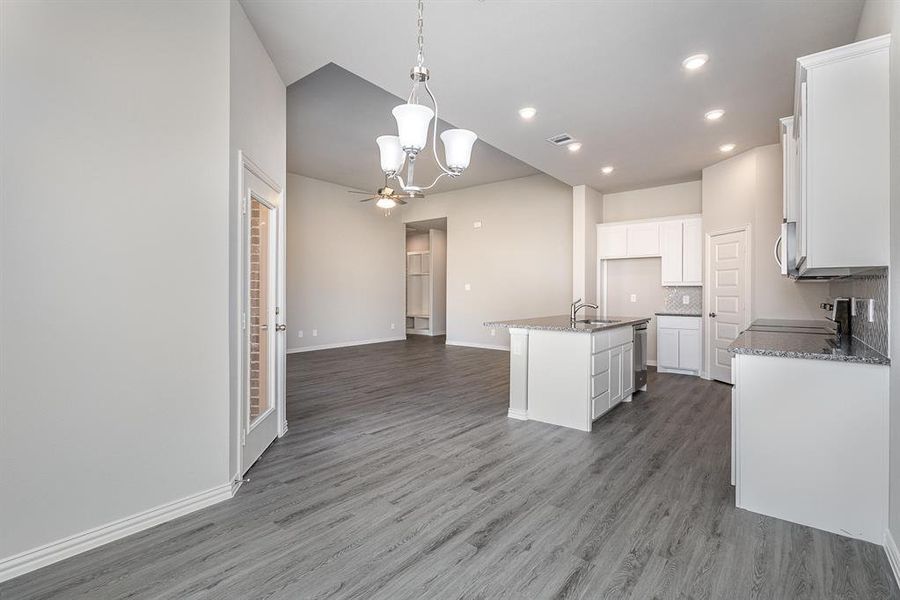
[260, 310]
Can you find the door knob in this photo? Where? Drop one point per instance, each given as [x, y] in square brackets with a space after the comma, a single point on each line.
[281, 327]
[713, 315]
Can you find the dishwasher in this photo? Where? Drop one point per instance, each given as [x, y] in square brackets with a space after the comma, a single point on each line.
[640, 357]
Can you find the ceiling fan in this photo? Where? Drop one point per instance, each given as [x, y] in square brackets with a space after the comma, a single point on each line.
[385, 197]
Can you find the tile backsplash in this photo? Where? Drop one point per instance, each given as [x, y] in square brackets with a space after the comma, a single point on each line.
[674, 301]
[873, 284]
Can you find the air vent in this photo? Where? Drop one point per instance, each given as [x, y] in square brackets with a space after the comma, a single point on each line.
[560, 139]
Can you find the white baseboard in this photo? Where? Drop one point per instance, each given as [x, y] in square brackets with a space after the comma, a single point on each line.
[890, 548]
[476, 345]
[25, 562]
[397, 338]
[517, 413]
[651, 363]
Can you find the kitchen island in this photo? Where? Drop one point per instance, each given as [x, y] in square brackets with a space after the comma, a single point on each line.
[567, 372]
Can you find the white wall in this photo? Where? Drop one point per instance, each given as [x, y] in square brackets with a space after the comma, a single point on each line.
[587, 211]
[894, 509]
[346, 266]
[519, 264]
[875, 19]
[113, 238]
[258, 129]
[648, 203]
[746, 189]
[642, 277]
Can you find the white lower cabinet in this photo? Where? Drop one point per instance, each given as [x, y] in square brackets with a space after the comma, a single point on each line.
[810, 441]
[679, 345]
[571, 378]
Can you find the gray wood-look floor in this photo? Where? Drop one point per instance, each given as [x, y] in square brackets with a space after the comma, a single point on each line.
[401, 477]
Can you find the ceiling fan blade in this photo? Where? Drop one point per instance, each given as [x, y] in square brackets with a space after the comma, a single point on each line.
[355, 192]
[401, 201]
[367, 199]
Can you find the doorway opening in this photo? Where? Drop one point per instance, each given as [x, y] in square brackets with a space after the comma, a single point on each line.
[426, 277]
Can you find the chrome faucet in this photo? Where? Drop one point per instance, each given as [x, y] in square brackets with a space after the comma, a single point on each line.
[576, 307]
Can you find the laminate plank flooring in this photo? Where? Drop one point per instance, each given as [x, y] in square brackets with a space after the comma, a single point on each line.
[401, 477]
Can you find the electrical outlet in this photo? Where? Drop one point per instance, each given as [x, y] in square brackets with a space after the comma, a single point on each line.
[468, 287]
[493, 332]
[634, 297]
[315, 332]
[476, 225]
[300, 334]
[393, 326]
[685, 299]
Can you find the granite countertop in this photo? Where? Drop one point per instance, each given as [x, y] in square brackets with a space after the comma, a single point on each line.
[678, 314]
[814, 346]
[564, 323]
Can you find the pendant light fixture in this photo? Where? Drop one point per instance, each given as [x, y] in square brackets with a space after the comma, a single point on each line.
[413, 121]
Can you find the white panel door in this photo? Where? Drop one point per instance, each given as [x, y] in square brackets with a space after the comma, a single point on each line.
[667, 348]
[692, 252]
[642, 239]
[728, 313]
[670, 247]
[611, 241]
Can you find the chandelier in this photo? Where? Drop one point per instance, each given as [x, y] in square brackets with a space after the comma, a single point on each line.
[413, 121]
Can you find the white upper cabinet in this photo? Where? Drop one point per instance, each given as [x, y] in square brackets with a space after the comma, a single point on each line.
[692, 251]
[642, 239]
[611, 243]
[837, 187]
[677, 241]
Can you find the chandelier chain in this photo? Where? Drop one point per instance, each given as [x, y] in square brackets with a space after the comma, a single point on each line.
[420, 40]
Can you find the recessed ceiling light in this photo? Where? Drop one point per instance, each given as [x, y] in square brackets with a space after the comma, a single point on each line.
[528, 112]
[726, 147]
[574, 146]
[694, 62]
[607, 170]
[715, 114]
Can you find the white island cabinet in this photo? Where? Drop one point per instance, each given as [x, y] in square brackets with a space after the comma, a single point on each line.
[569, 374]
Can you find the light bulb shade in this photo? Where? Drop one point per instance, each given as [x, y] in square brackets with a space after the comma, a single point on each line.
[392, 155]
[412, 125]
[458, 147]
[386, 203]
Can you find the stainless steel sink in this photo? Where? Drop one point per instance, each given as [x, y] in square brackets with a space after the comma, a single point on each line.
[598, 321]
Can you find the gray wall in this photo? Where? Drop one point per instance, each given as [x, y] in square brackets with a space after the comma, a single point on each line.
[746, 189]
[113, 238]
[875, 19]
[587, 211]
[519, 263]
[649, 203]
[346, 266]
[258, 129]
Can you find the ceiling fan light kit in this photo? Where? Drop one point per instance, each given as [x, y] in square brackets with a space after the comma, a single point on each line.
[413, 122]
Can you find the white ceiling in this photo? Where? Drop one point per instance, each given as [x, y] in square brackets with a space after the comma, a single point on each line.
[333, 118]
[609, 73]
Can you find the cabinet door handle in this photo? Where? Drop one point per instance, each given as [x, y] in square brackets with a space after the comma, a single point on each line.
[777, 253]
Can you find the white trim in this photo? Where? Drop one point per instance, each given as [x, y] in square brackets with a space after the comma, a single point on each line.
[254, 168]
[346, 344]
[832, 55]
[890, 548]
[651, 363]
[653, 219]
[477, 345]
[28, 561]
[518, 414]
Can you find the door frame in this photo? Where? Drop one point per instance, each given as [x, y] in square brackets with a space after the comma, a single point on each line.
[707, 291]
[245, 162]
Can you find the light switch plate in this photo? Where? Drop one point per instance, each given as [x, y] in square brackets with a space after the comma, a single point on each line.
[685, 299]
[315, 332]
[300, 334]
[476, 225]
[468, 287]
[634, 297]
